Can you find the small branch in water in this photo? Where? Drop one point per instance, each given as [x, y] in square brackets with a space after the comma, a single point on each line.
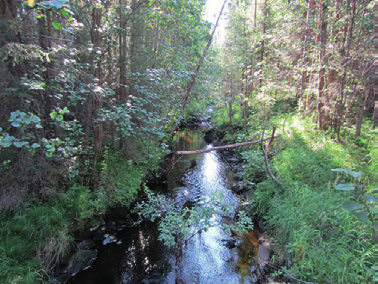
[265, 151]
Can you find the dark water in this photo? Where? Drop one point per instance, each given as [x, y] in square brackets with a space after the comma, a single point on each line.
[138, 257]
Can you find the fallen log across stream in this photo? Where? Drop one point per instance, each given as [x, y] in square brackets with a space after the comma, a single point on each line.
[220, 147]
[261, 140]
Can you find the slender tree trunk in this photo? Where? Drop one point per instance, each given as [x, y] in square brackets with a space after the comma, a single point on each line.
[362, 109]
[99, 98]
[45, 35]
[123, 95]
[323, 118]
[245, 79]
[255, 16]
[263, 40]
[230, 102]
[95, 99]
[375, 116]
[306, 48]
[194, 77]
[340, 104]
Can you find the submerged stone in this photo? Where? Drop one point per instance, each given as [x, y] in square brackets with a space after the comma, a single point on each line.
[80, 260]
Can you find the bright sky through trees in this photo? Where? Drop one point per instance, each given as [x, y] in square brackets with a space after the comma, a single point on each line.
[212, 10]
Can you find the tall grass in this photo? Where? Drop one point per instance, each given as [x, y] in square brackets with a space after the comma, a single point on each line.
[318, 240]
[32, 240]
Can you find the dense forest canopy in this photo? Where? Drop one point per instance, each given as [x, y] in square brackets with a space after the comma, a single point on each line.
[90, 91]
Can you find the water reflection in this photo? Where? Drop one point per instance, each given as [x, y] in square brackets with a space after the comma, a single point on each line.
[210, 168]
[142, 258]
[205, 258]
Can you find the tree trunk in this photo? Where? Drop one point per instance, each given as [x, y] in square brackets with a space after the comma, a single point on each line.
[362, 109]
[44, 37]
[340, 104]
[323, 117]
[95, 99]
[265, 11]
[306, 60]
[230, 102]
[123, 94]
[194, 77]
[99, 98]
[222, 147]
[375, 116]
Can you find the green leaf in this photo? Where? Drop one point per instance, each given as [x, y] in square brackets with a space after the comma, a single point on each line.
[355, 174]
[346, 187]
[15, 124]
[35, 119]
[370, 199]
[362, 216]
[54, 4]
[53, 114]
[6, 141]
[57, 26]
[352, 205]
[35, 145]
[348, 172]
[59, 117]
[20, 144]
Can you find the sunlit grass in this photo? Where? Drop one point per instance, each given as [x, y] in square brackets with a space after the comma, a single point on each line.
[318, 239]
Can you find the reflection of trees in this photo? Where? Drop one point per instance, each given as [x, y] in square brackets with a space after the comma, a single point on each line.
[145, 258]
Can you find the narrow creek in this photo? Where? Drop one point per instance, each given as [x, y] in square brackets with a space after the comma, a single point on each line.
[135, 255]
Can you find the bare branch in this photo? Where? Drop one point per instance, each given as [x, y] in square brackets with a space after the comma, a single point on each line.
[265, 151]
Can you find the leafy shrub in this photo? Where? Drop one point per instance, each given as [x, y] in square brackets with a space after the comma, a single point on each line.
[122, 180]
[254, 166]
[80, 203]
[177, 224]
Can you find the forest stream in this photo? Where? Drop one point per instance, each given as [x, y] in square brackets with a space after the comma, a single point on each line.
[135, 255]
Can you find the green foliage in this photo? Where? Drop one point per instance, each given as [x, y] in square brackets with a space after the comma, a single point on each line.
[323, 227]
[31, 238]
[79, 201]
[121, 182]
[362, 200]
[254, 165]
[299, 162]
[177, 224]
[325, 243]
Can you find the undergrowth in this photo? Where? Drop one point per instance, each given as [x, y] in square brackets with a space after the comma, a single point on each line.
[319, 236]
[36, 237]
[32, 241]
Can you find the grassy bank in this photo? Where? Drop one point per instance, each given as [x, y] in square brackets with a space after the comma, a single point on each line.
[321, 219]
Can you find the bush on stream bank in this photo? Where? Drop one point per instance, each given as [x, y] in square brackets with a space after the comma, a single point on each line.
[315, 234]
